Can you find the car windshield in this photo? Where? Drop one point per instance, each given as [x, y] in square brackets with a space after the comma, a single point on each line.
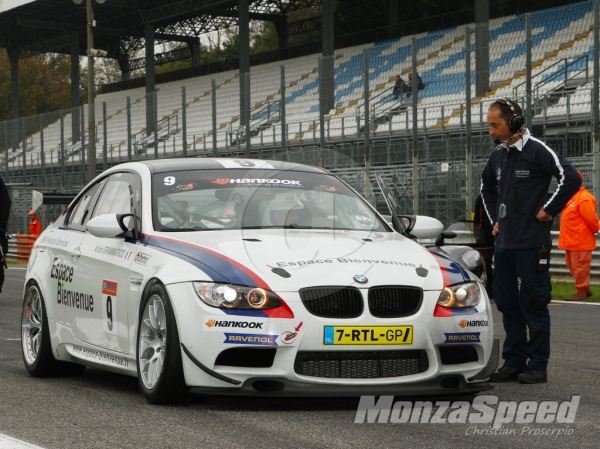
[198, 200]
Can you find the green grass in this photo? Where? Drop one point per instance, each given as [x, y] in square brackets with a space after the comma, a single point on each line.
[562, 290]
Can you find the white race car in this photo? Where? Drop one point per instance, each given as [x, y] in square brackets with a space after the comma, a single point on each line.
[249, 277]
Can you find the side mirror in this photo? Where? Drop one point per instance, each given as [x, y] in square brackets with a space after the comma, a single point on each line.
[426, 227]
[110, 225]
[445, 235]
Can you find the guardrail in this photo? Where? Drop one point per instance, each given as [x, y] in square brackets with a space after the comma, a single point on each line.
[558, 267]
[19, 248]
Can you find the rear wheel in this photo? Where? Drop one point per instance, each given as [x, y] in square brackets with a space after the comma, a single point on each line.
[35, 339]
[159, 365]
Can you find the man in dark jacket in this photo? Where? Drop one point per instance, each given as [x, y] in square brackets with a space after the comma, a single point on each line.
[484, 238]
[4, 213]
[399, 87]
[514, 187]
[420, 84]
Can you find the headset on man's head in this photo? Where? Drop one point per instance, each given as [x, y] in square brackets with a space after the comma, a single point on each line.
[517, 122]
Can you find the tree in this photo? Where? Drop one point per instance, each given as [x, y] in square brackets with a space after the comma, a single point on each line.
[44, 84]
[106, 71]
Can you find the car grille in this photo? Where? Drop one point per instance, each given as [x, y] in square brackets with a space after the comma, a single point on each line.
[333, 302]
[394, 302]
[361, 365]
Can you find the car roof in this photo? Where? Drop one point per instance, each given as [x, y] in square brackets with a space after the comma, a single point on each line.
[169, 165]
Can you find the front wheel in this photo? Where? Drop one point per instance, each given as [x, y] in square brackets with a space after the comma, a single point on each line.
[35, 339]
[159, 365]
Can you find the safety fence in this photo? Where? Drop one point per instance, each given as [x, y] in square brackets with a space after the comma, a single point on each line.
[348, 113]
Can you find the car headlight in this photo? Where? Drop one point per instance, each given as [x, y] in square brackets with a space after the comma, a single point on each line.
[228, 296]
[471, 259]
[461, 295]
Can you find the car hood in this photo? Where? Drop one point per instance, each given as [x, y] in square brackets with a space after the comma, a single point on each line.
[288, 259]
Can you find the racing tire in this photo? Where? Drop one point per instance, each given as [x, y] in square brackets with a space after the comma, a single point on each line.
[158, 355]
[35, 339]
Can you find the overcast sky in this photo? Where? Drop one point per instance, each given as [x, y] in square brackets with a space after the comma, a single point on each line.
[5, 5]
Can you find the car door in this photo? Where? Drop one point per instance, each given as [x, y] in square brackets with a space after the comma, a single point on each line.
[107, 262]
[63, 283]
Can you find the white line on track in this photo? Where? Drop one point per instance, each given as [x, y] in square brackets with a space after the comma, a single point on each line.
[576, 302]
[7, 442]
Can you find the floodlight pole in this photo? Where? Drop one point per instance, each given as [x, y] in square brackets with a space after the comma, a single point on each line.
[91, 105]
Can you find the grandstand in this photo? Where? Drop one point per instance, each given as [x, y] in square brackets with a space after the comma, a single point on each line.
[562, 73]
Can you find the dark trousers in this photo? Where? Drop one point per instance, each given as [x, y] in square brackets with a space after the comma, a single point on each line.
[522, 295]
[4, 244]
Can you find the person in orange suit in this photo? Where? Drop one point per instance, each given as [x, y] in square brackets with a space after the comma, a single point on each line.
[35, 225]
[578, 224]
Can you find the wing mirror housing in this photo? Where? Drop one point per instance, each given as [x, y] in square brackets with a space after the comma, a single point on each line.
[440, 241]
[421, 226]
[111, 225]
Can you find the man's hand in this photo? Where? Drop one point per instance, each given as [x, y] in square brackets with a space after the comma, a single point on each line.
[495, 229]
[543, 216]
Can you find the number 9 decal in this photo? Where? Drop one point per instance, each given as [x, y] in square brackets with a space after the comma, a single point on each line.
[244, 163]
[109, 314]
[169, 180]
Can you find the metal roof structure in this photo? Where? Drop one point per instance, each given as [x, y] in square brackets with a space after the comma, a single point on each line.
[44, 26]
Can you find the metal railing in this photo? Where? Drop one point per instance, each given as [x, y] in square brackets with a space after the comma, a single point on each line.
[562, 70]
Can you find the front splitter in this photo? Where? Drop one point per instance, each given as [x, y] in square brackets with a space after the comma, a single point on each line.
[447, 385]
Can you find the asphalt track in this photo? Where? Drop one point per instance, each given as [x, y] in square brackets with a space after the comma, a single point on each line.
[103, 410]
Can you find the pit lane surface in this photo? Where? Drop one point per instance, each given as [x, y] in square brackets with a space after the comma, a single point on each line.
[104, 410]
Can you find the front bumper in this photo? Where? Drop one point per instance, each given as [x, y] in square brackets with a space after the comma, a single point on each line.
[202, 346]
[282, 387]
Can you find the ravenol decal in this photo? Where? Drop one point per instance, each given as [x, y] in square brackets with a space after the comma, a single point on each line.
[251, 339]
[219, 268]
[464, 337]
[109, 287]
[452, 273]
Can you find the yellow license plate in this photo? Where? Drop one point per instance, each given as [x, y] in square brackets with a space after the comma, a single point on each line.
[367, 335]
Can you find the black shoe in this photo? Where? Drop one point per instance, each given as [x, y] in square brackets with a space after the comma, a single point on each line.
[533, 376]
[506, 374]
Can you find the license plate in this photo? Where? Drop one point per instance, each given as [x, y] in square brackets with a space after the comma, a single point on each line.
[367, 335]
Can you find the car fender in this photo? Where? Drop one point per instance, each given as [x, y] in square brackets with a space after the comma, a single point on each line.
[167, 270]
[455, 252]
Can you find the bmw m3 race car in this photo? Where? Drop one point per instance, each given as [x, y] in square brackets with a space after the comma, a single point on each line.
[250, 277]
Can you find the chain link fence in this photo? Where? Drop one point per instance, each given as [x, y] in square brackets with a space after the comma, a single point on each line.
[413, 109]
